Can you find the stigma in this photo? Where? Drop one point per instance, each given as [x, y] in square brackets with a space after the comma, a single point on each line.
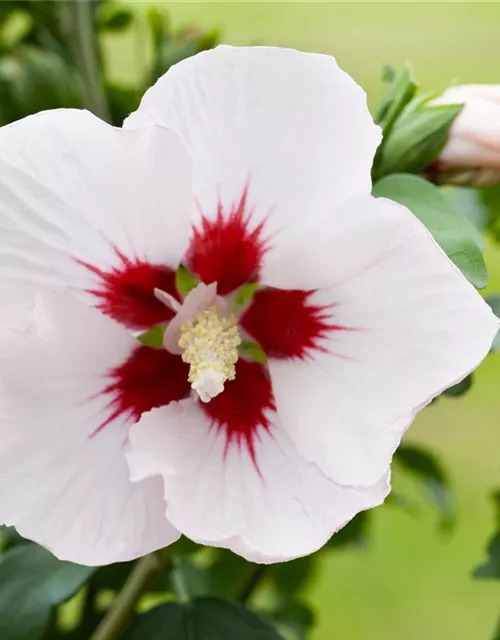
[209, 343]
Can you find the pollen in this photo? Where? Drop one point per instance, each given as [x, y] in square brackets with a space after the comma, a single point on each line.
[209, 343]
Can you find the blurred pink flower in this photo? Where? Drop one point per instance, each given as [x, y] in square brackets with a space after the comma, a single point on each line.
[472, 153]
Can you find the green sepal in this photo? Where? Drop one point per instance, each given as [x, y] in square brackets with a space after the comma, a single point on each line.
[416, 139]
[400, 89]
[252, 351]
[185, 281]
[153, 337]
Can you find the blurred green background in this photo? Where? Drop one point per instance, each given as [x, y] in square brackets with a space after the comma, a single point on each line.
[414, 581]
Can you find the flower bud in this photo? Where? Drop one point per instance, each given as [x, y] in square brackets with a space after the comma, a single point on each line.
[471, 155]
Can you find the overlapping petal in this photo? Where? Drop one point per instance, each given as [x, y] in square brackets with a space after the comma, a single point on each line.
[80, 200]
[291, 127]
[415, 327]
[275, 509]
[64, 483]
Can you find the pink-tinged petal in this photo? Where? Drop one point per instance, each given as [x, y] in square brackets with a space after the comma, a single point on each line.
[63, 482]
[279, 509]
[290, 130]
[416, 327]
[91, 208]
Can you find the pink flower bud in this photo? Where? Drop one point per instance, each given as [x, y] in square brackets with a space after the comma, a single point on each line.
[472, 153]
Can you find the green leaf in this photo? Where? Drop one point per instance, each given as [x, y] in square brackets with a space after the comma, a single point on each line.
[184, 547]
[158, 26]
[122, 101]
[184, 280]
[202, 619]
[460, 388]
[416, 139]
[112, 576]
[294, 617]
[491, 568]
[468, 202]
[452, 231]
[37, 80]
[431, 476]
[494, 302]
[113, 18]
[228, 573]
[400, 89]
[354, 534]
[290, 577]
[195, 580]
[32, 581]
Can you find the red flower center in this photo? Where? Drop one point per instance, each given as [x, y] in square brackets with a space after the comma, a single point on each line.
[286, 324]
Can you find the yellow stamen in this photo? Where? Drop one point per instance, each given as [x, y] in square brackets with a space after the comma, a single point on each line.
[210, 346]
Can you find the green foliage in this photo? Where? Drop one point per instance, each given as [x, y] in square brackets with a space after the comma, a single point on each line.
[295, 619]
[430, 474]
[460, 388]
[400, 87]
[414, 131]
[491, 568]
[494, 302]
[451, 230]
[32, 582]
[201, 619]
[113, 17]
[42, 68]
[416, 139]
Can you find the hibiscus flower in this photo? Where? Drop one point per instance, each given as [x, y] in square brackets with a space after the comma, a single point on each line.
[210, 326]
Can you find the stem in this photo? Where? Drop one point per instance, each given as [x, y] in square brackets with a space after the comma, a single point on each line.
[84, 45]
[179, 582]
[253, 581]
[125, 601]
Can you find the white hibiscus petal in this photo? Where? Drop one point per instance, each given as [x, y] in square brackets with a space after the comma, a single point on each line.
[216, 495]
[60, 485]
[72, 189]
[318, 253]
[414, 326]
[291, 125]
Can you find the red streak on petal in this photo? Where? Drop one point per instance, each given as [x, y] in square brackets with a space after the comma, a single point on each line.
[242, 408]
[126, 292]
[149, 378]
[226, 249]
[286, 324]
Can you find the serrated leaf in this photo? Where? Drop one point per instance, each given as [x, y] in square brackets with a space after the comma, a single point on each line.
[431, 476]
[202, 619]
[32, 581]
[452, 231]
